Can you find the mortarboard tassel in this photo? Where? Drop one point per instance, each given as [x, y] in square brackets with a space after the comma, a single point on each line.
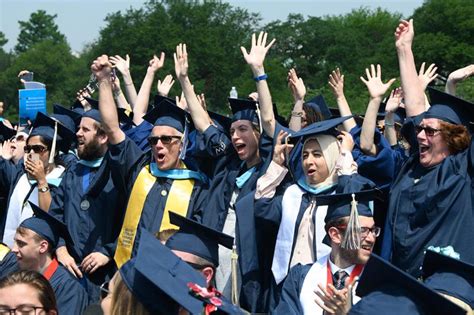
[257, 111]
[53, 145]
[351, 239]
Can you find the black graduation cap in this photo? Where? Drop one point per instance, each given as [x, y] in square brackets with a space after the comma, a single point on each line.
[6, 132]
[54, 130]
[449, 275]
[74, 115]
[449, 108]
[339, 204]
[125, 116]
[92, 102]
[167, 113]
[158, 278]
[400, 115]
[160, 98]
[386, 289]
[319, 105]
[243, 109]
[221, 121]
[47, 226]
[197, 239]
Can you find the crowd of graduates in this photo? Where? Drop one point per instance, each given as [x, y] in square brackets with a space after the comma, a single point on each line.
[164, 207]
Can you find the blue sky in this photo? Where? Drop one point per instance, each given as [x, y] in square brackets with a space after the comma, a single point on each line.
[81, 20]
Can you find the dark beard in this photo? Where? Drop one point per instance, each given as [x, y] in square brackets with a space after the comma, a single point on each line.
[91, 151]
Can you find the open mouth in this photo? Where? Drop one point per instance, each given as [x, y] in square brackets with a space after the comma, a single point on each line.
[160, 157]
[239, 147]
[366, 248]
[423, 149]
[311, 172]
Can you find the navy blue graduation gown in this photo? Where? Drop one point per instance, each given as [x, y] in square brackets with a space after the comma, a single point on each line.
[10, 173]
[8, 264]
[381, 169]
[127, 162]
[71, 297]
[139, 134]
[431, 207]
[290, 294]
[96, 228]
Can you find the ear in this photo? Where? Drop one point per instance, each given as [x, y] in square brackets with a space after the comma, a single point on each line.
[102, 138]
[208, 273]
[335, 235]
[43, 247]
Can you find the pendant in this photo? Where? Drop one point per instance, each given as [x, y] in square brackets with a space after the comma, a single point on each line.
[85, 204]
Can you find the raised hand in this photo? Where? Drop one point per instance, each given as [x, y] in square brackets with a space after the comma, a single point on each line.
[461, 74]
[404, 34]
[427, 76]
[281, 149]
[123, 65]
[336, 82]
[394, 100]
[296, 85]
[346, 141]
[165, 86]
[182, 103]
[374, 82]
[156, 63]
[257, 54]
[181, 61]
[6, 151]
[101, 68]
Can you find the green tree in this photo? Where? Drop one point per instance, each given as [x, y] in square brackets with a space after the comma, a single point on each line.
[3, 40]
[38, 28]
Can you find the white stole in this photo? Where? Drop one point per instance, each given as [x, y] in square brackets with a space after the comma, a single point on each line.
[291, 203]
[17, 211]
[317, 275]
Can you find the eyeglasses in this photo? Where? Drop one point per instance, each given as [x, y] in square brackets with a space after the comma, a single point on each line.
[104, 290]
[22, 309]
[164, 139]
[37, 148]
[429, 131]
[364, 231]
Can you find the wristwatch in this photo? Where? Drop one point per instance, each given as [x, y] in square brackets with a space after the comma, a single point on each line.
[43, 189]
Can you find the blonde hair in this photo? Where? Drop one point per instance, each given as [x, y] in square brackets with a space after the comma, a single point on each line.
[124, 302]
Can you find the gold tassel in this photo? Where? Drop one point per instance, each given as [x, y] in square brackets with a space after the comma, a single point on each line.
[351, 239]
[233, 263]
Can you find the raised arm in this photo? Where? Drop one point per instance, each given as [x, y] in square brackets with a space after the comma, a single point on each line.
[391, 107]
[197, 112]
[255, 60]
[411, 85]
[376, 91]
[457, 76]
[101, 67]
[143, 97]
[164, 87]
[123, 65]
[118, 95]
[336, 82]
[298, 90]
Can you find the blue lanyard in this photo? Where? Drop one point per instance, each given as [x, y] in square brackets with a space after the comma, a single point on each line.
[176, 173]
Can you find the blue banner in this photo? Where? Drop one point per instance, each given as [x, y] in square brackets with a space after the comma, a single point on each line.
[31, 102]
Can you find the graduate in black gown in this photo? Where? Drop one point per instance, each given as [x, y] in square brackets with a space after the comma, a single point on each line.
[154, 182]
[35, 242]
[431, 200]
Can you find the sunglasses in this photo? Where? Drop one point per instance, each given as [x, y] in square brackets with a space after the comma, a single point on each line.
[37, 148]
[104, 290]
[430, 132]
[164, 139]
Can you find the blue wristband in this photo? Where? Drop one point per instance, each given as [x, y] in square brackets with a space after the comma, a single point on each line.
[261, 77]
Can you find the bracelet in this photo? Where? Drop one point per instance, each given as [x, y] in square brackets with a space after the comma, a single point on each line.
[389, 124]
[297, 114]
[261, 77]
